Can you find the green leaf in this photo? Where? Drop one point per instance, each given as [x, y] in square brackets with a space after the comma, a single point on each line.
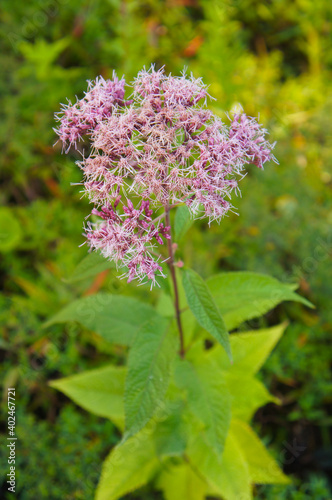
[247, 395]
[202, 457]
[244, 295]
[91, 265]
[98, 391]
[182, 221]
[171, 436]
[226, 475]
[130, 464]
[234, 481]
[208, 399]
[250, 349]
[116, 318]
[263, 469]
[179, 482]
[204, 308]
[149, 368]
[10, 230]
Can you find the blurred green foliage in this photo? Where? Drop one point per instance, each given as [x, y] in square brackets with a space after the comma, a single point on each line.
[70, 464]
[273, 58]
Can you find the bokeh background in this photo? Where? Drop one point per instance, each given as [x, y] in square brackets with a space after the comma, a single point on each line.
[273, 58]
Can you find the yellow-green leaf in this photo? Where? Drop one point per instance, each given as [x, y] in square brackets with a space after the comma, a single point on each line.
[247, 395]
[263, 469]
[179, 482]
[227, 475]
[250, 349]
[98, 391]
[130, 464]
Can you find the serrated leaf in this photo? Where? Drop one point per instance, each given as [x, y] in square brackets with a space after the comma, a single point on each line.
[116, 318]
[263, 469]
[91, 265]
[242, 296]
[208, 399]
[97, 391]
[182, 222]
[179, 482]
[130, 465]
[204, 308]
[250, 349]
[149, 368]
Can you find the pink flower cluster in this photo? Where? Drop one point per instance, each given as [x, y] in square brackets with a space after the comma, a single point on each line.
[78, 119]
[161, 147]
[128, 238]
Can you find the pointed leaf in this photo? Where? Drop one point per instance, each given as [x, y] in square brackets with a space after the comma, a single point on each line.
[91, 265]
[204, 308]
[130, 464]
[149, 367]
[116, 318]
[247, 395]
[98, 391]
[179, 482]
[263, 469]
[250, 349]
[244, 295]
[234, 482]
[208, 399]
[226, 475]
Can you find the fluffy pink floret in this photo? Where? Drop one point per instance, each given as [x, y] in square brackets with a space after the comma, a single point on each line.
[128, 236]
[76, 120]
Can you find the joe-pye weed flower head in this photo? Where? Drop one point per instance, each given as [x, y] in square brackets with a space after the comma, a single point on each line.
[161, 147]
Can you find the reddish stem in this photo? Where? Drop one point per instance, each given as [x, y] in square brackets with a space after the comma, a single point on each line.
[175, 285]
